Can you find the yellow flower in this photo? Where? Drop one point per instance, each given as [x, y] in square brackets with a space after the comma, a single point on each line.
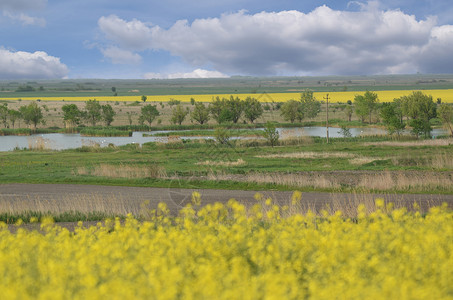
[296, 197]
[196, 198]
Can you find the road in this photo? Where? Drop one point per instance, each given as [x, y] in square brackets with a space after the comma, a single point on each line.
[117, 199]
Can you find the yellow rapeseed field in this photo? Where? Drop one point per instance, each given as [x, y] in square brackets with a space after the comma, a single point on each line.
[384, 96]
[230, 252]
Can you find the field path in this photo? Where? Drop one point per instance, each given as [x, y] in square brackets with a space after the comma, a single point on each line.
[120, 199]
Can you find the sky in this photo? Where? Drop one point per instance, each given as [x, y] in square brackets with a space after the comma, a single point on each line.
[144, 39]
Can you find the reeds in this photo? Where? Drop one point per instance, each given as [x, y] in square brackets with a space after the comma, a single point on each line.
[15, 131]
[124, 171]
[310, 155]
[104, 132]
[364, 181]
[38, 144]
[442, 161]
[238, 162]
[83, 203]
[433, 142]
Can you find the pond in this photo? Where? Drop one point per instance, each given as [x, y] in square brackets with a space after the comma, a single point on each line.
[60, 141]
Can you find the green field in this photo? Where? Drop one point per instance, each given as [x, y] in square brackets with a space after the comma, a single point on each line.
[306, 163]
[235, 85]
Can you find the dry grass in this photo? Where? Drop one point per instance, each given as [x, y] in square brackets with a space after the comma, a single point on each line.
[436, 142]
[309, 155]
[347, 204]
[38, 144]
[291, 141]
[110, 204]
[442, 161]
[123, 171]
[123, 204]
[294, 180]
[354, 159]
[379, 181]
[405, 181]
[239, 162]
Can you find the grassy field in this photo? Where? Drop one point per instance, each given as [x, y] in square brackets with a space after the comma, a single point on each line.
[306, 163]
[235, 85]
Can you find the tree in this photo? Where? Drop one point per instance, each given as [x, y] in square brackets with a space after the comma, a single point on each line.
[391, 116]
[107, 114]
[200, 113]
[222, 136]
[92, 112]
[348, 111]
[14, 115]
[172, 102]
[129, 118]
[445, 114]
[345, 132]
[310, 106]
[365, 105]
[271, 134]
[4, 114]
[216, 107]
[32, 114]
[420, 108]
[235, 106]
[144, 98]
[149, 113]
[178, 114]
[252, 109]
[71, 115]
[291, 110]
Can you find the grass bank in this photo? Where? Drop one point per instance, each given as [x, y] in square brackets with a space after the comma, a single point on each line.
[303, 163]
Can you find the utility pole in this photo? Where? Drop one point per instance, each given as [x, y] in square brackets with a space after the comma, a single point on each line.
[327, 117]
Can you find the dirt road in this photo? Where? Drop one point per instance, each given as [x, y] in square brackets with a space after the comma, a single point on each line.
[63, 197]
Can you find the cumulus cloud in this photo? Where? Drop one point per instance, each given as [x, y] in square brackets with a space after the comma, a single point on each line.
[121, 56]
[436, 56]
[35, 65]
[133, 35]
[15, 10]
[198, 73]
[324, 41]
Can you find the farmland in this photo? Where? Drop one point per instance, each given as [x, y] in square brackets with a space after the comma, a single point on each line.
[336, 97]
[233, 251]
[283, 88]
[260, 247]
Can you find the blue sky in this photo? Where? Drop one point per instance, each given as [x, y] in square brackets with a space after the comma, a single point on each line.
[177, 38]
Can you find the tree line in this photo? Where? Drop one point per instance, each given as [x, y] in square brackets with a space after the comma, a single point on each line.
[416, 111]
[222, 110]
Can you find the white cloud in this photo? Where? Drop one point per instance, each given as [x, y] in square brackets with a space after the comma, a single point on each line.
[324, 41]
[133, 35]
[35, 65]
[14, 9]
[436, 56]
[120, 56]
[26, 19]
[198, 73]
